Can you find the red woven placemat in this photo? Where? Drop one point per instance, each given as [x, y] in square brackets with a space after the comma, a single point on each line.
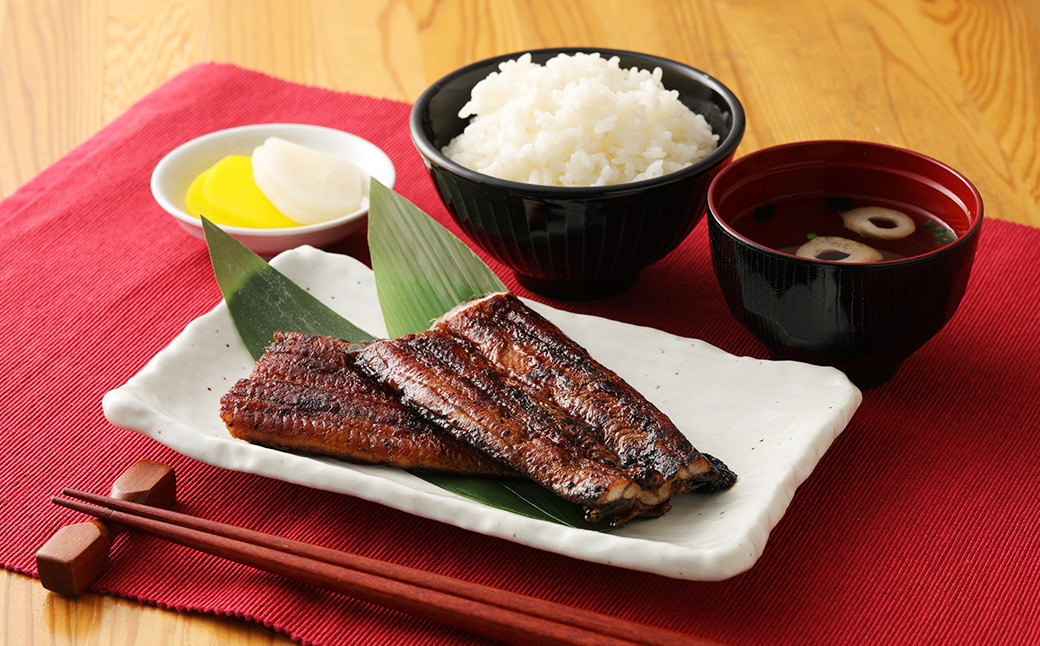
[921, 524]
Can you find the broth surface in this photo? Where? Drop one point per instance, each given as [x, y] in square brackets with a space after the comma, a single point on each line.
[785, 225]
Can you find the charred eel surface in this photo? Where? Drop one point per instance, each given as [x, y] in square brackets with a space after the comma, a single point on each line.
[307, 394]
[449, 380]
[552, 366]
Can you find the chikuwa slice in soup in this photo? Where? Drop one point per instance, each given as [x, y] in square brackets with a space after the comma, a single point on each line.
[843, 229]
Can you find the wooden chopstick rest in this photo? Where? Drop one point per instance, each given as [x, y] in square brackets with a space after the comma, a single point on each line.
[76, 555]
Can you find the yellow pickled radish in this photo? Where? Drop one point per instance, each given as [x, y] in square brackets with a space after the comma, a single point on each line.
[307, 185]
[226, 194]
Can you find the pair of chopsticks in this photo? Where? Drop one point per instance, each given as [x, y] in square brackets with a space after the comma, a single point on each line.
[489, 612]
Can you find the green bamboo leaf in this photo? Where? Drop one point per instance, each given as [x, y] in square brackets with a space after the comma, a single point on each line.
[421, 269]
[263, 301]
[519, 496]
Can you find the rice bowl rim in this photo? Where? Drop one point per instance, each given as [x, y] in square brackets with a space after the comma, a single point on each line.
[725, 148]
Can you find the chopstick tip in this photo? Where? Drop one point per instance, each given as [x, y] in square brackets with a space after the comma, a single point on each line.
[61, 502]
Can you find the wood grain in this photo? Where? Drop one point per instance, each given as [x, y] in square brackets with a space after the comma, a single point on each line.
[955, 79]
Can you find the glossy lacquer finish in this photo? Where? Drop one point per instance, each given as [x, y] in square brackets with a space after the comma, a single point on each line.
[865, 319]
[575, 243]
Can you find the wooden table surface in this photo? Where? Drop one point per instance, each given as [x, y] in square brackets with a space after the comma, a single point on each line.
[955, 79]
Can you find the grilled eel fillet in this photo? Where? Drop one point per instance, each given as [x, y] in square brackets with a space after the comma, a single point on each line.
[456, 385]
[491, 373]
[307, 394]
[552, 366]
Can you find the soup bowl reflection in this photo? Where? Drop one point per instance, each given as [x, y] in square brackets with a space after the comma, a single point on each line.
[575, 242]
[864, 318]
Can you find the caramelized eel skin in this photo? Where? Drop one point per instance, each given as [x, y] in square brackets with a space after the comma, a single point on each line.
[537, 353]
[307, 394]
[454, 383]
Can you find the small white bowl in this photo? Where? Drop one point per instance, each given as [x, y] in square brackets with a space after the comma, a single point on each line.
[174, 173]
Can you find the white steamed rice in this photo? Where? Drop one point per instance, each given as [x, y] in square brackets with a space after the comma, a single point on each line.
[578, 120]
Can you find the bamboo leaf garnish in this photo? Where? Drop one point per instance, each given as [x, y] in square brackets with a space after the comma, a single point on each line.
[519, 496]
[422, 270]
[263, 301]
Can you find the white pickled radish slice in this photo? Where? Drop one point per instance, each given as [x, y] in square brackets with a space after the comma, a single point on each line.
[307, 185]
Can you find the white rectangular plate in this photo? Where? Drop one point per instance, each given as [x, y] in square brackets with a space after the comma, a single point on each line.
[770, 421]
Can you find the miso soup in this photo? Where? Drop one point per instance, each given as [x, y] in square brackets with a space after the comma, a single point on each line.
[786, 225]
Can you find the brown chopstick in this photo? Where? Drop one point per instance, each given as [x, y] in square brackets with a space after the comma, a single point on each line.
[490, 612]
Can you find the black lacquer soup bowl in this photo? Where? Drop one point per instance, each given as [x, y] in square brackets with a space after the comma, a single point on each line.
[864, 318]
